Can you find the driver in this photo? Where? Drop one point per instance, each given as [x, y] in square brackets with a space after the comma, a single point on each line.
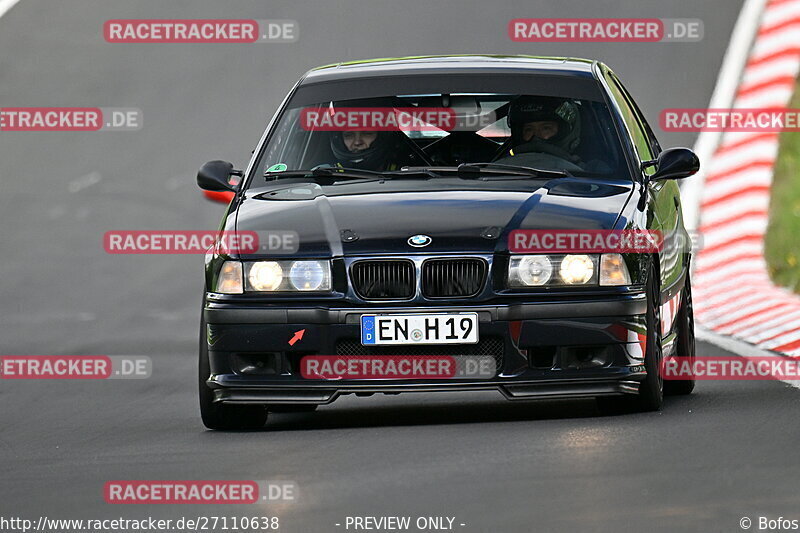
[367, 150]
[544, 124]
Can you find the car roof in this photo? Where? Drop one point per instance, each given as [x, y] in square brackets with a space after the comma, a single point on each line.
[452, 64]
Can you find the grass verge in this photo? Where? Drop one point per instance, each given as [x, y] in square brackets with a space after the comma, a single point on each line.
[782, 243]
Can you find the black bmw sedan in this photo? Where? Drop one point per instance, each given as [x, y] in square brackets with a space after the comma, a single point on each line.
[463, 223]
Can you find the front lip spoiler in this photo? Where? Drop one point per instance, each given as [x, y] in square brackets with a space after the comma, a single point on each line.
[623, 305]
[322, 394]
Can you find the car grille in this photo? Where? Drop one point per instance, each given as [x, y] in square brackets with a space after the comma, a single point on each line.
[384, 279]
[453, 278]
[491, 346]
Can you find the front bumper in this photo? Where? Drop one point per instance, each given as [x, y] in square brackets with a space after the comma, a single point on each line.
[555, 349]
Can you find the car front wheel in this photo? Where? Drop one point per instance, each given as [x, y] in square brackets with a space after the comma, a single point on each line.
[651, 389]
[685, 341]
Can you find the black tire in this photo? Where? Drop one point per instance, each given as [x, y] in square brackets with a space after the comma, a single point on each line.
[292, 408]
[651, 389]
[217, 415]
[684, 344]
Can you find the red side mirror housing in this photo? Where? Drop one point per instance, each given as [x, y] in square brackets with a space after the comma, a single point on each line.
[223, 197]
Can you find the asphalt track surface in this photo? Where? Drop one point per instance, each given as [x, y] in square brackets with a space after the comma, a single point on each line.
[705, 461]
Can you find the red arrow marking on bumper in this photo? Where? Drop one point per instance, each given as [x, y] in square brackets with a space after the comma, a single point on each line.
[297, 336]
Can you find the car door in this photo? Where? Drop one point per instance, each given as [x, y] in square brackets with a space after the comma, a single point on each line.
[662, 197]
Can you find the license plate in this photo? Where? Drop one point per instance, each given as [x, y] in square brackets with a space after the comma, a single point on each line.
[449, 328]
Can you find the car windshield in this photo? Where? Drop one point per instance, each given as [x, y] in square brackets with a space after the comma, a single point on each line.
[572, 135]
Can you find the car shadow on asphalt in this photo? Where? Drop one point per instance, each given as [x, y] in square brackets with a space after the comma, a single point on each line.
[435, 413]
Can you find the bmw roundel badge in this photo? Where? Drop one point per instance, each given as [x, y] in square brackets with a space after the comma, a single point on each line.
[418, 241]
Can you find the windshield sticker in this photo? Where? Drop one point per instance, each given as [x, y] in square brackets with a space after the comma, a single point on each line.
[279, 167]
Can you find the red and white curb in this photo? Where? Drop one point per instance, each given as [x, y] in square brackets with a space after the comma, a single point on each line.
[734, 295]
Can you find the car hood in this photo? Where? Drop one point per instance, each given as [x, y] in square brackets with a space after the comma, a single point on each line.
[378, 217]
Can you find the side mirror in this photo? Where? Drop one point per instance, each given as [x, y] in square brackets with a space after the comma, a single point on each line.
[675, 163]
[214, 176]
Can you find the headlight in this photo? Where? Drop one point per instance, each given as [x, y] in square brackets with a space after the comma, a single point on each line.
[613, 270]
[265, 276]
[553, 269]
[576, 269]
[309, 276]
[288, 276]
[229, 280]
[530, 271]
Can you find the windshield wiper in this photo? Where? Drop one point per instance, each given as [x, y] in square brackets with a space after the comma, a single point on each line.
[355, 173]
[477, 170]
[482, 171]
[324, 172]
[407, 172]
